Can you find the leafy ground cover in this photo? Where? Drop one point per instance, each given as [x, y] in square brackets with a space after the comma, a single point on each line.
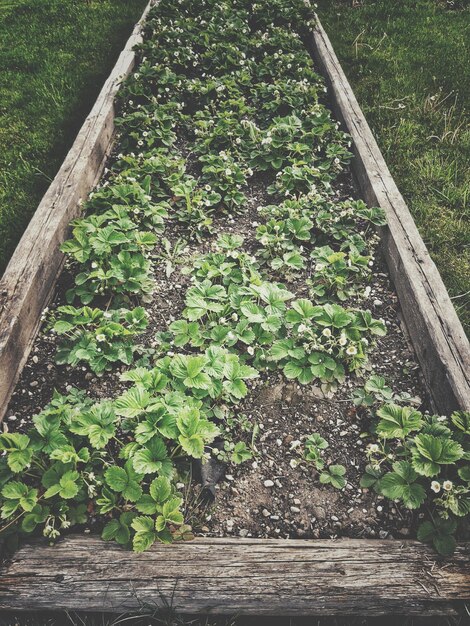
[224, 301]
[54, 57]
[407, 62]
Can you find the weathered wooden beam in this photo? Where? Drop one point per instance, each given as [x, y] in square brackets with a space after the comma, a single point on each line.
[238, 576]
[29, 279]
[437, 335]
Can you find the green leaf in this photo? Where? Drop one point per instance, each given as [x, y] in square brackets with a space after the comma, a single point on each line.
[371, 478]
[171, 512]
[98, 424]
[301, 310]
[18, 454]
[37, 515]
[160, 489]
[68, 485]
[145, 534]
[133, 403]
[464, 473]
[116, 477]
[149, 459]
[14, 490]
[397, 422]
[440, 533]
[292, 369]
[253, 312]
[110, 530]
[430, 452]
[400, 485]
[77, 514]
[240, 453]
[118, 529]
[107, 501]
[192, 445]
[461, 419]
[125, 481]
[334, 475]
[18, 495]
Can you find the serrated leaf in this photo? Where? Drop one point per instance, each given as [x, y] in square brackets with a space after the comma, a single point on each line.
[160, 489]
[397, 422]
[133, 403]
[145, 534]
[430, 452]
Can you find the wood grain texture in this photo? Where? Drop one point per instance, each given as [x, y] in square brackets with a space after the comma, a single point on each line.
[29, 279]
[437, 335]
[238, 576]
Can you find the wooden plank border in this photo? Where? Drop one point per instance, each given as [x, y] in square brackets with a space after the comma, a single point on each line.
[437, 335]
[238, 577]
[30, 276]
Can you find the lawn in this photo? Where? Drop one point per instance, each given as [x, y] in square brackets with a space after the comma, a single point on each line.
[54, 55]
[408, 63]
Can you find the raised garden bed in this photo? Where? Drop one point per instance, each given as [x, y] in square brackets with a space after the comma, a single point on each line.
[260, 313]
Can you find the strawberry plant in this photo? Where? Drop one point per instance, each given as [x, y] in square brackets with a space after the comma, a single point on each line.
[99, 338]
[429, 466]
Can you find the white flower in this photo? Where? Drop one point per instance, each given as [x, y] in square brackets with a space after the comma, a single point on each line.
[302, 328]
[436, 486]
[101, 337]
[351, 350]
[250, 350]
[293, 463]
[447, 485]
[231, 336]
[373, 448]
[326, 332]
[343, 340]
[228, 171]
[94, 265]
[91, 491]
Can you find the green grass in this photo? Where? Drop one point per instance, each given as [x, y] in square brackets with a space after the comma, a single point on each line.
[408, 62]
[54, 57]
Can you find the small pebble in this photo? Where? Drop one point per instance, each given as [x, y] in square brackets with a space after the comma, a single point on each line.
[268, 483]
